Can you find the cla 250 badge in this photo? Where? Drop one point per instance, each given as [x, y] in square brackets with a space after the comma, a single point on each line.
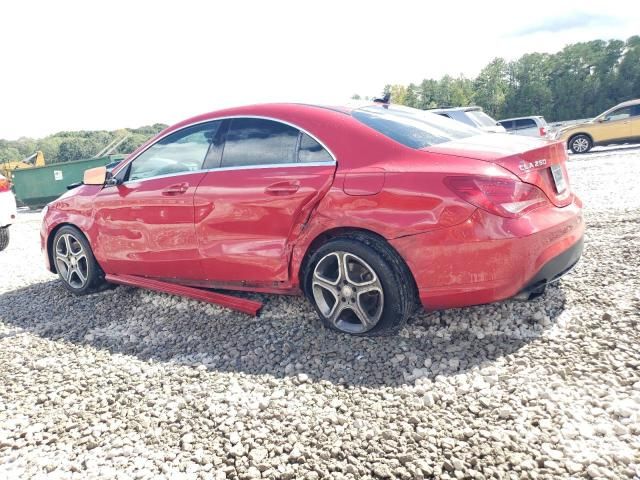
[526, 166]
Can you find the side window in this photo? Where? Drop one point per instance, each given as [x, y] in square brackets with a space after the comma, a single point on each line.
[525, 123]
[312, 151]
[182, 151]
[619, 114]
[635, 111]
[256, 141]
[508, 125]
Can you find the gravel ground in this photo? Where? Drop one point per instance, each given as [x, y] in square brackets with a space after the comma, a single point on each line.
[132, 384]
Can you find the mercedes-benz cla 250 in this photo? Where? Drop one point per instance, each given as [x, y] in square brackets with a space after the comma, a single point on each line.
[367, 211]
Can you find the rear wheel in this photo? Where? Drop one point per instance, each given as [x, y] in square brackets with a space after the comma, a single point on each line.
[360, 285]
[74, 261]
[580, 144]
[4, 238]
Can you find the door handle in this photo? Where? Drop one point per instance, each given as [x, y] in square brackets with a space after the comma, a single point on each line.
[282, 188]
[177, 189]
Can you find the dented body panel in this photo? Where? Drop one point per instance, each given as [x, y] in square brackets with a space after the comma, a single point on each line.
[253, 228]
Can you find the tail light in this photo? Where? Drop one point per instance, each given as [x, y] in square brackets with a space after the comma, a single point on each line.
[543, 131]
[501, 196]
[5, 185]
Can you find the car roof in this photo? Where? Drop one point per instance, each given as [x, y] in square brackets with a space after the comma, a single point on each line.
[628, 103]
[455, 109]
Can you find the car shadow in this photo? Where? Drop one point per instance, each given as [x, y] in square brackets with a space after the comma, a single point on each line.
[286, 339]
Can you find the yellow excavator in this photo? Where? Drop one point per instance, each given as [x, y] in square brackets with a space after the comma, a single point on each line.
[35, 160]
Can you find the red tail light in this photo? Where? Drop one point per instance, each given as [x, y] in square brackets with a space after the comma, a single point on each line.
[5, 185]
[543, 131]
[501, 196]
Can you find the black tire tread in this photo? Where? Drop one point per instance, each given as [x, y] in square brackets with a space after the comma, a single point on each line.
[4, 238]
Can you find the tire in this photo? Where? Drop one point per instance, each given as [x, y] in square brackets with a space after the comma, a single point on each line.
[74, 261]
[378, 286]
[580, 143]
[4, 238]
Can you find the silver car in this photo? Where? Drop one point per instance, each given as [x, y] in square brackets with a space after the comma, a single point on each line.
[535, 126]
[473, 116]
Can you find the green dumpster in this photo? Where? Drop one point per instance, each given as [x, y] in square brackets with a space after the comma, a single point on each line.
[35, 187]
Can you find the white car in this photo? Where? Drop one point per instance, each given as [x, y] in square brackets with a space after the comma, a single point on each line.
[529, 126]
[473, 116]
[7, 211]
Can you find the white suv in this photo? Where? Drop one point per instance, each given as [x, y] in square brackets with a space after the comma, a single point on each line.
[7, 211]
[529, 126]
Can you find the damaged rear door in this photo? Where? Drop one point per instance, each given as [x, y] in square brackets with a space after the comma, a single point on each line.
[253, 204]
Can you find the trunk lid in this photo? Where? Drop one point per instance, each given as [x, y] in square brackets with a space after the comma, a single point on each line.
[532, 160]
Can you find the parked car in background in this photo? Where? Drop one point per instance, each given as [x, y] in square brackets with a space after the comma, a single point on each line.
[473, 116]
[7, 210]
[620, 124]
[535, 126]
[368, 211]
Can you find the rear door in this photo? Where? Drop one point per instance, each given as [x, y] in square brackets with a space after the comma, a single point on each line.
[146, 224]
[253, 204]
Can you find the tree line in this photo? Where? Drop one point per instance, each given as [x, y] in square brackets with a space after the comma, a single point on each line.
[580, 81]
[68, 146]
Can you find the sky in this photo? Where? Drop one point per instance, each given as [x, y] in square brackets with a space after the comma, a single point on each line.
[111, 64]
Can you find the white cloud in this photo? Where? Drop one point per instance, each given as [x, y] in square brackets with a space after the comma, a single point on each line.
[89, 65]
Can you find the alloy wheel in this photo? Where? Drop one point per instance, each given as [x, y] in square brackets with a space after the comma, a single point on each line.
[348, 292]
[581, 144]
[71, 260]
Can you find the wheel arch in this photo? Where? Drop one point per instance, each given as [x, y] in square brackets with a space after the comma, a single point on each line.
[345, 232]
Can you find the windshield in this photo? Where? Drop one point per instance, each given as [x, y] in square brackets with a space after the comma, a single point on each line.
[481, 119]
[412, 127]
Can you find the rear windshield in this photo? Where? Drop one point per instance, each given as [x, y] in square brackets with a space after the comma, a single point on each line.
[480, 118]
[412, 127]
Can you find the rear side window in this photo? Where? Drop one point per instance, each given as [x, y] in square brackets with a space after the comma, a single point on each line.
[311, 151]
[256, 141]
[412, 127]
[523, 123]
[480, 118]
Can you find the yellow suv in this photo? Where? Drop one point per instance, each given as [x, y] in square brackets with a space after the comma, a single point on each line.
[620, 124]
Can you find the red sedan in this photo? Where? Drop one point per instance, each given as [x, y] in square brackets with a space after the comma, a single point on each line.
[367, 211]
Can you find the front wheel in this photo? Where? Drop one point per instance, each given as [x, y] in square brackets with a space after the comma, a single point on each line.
[360, 285]
[580, 144]
[4, 238]
[74, 261]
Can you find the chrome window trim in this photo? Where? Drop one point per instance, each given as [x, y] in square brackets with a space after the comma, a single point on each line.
[242, 167]
[124, 165]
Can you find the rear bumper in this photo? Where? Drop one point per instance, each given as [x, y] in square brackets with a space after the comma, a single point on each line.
[552, 271]
[488, 258]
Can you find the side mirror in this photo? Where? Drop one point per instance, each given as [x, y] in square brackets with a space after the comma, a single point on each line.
[95, 176]
[602, 119]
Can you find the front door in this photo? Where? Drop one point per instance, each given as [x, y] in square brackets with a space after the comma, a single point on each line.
[145, 224]
[614, 127]
[250, 209]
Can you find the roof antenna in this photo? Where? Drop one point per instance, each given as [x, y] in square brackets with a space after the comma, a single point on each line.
[385, 99]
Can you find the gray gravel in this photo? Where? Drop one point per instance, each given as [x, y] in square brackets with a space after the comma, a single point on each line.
[132, 384]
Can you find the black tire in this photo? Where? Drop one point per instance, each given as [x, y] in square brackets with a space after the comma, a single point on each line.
[88, 267]
[580, 143]
[398, 291]
[4, 238]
